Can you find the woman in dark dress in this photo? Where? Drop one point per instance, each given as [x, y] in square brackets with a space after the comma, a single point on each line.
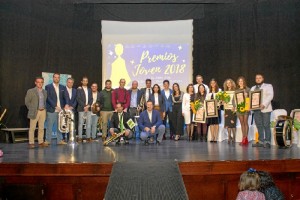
[201, 127]
[177, 97]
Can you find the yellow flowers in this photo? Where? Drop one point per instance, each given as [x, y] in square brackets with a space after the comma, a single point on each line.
[196, 105]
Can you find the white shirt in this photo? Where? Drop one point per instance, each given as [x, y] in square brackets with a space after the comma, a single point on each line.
[186, 100]
[86, 94]
[148, 92]
[156, 103]
[167, 93]
[70, 92]
[56, 87]
[150, 115]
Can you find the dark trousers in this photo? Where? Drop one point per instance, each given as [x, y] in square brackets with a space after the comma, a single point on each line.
[169, 115]
[177, 119]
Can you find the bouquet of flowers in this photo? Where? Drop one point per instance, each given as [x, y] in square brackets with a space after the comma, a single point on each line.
[196, 106]
[296, 124]
[241, 107]
[223, 96]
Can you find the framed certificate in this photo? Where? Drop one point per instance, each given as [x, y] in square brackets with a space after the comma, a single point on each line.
[199, 116]
[229, 105]
[211, 108]
[255, 99]
[239, 97]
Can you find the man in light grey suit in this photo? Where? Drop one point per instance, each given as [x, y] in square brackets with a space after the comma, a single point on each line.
[262, 116]
[35, 101]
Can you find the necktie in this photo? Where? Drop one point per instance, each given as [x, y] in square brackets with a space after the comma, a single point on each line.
[121, 123]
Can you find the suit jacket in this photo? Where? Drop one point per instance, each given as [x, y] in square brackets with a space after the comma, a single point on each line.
[267, 96]
[114, 123]
[144, 120]
[160, 101]
[70, 101]
[81, 101]
[144, 92]
[98, 100]
[32, 102]
[168, 101]
[51, 102]
[139, 96]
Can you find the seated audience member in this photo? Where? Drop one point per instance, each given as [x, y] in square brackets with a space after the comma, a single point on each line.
[268, 187]
[249, 185]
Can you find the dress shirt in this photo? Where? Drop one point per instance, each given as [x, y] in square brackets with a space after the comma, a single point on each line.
[133, 99]
[56, 87]
[86, 94]
[70, 92]
[156, 103]
[150, 115]
[41, 99]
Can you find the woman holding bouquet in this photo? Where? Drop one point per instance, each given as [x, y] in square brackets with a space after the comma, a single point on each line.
[229, 113]
[214, 121]
[241, 112]
[201, 127]
[187, 113]
[177, 97]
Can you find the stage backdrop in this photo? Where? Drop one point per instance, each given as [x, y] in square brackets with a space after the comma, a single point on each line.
[147, 50]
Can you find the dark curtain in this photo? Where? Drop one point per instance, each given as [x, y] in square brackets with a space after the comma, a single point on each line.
[230, 39]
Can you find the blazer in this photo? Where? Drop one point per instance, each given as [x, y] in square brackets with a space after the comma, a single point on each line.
[144, 120]
[144, 92]
[114, 122]
[51, 102]
[267, 96]
[139, 96]
[70, 101]
[160, 101]
[80, 97]
[32, 102]
[168, 101]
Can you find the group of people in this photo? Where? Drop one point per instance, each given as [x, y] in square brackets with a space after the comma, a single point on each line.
[153, 108]
[258, 185]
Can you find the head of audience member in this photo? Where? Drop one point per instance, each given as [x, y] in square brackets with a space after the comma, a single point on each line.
[213, 86]
[199, 79]
[70, 82]
[201, 90]
[156, 89]
[190, 89]
[122, 83]
[84, 81]
[134, 85]
[108, 84]
[259, 79]
[229, 85]
[39, 82]
[166, 84]
[56, 78]
[249, 180]
[94, 87]
[119, 107]
[149, 106]
[148, 83]
[176, 89]
[268, 187]
[241, 82]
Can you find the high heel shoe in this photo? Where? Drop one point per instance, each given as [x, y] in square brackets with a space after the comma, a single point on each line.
[243, 141]
[246, 141]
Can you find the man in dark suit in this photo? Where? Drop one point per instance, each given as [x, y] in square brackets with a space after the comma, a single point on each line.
[151, 124]
[84, 102]
[35, 101]
[70, 99]
[55, 102]
[147, 91]
[118, 123]
[167, 95]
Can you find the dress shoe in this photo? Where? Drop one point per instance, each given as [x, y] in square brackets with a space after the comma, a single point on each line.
[43, 144]
[61, 142]
[126, 142]
[31, 146]
[158, 142]
[257, 145]
[47, 143]
[89, 140]
[267, 145]
[79, 140]
[146, 143]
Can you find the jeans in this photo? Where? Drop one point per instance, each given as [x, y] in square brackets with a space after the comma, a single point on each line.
[94, 123]
[88, 123]
[158, 131]
[51, 120]
[262, 121]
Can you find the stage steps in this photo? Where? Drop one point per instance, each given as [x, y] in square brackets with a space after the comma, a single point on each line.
[146, 180]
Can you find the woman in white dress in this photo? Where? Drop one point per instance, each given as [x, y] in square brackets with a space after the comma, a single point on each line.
[187, 113]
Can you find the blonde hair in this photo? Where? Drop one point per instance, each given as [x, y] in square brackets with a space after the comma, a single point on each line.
[249, 181]
[233, 86]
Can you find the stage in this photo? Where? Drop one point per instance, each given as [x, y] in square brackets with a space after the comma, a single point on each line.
[209, 170]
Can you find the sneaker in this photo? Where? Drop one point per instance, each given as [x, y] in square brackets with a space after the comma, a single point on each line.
[44, 144]
[61, 142]
[257, 144]
[31, 146]
[267, 145]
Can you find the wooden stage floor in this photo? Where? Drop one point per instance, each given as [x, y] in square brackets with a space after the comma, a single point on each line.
[209, 170]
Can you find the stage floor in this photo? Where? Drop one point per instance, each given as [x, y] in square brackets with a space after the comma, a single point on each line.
[181, 151]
